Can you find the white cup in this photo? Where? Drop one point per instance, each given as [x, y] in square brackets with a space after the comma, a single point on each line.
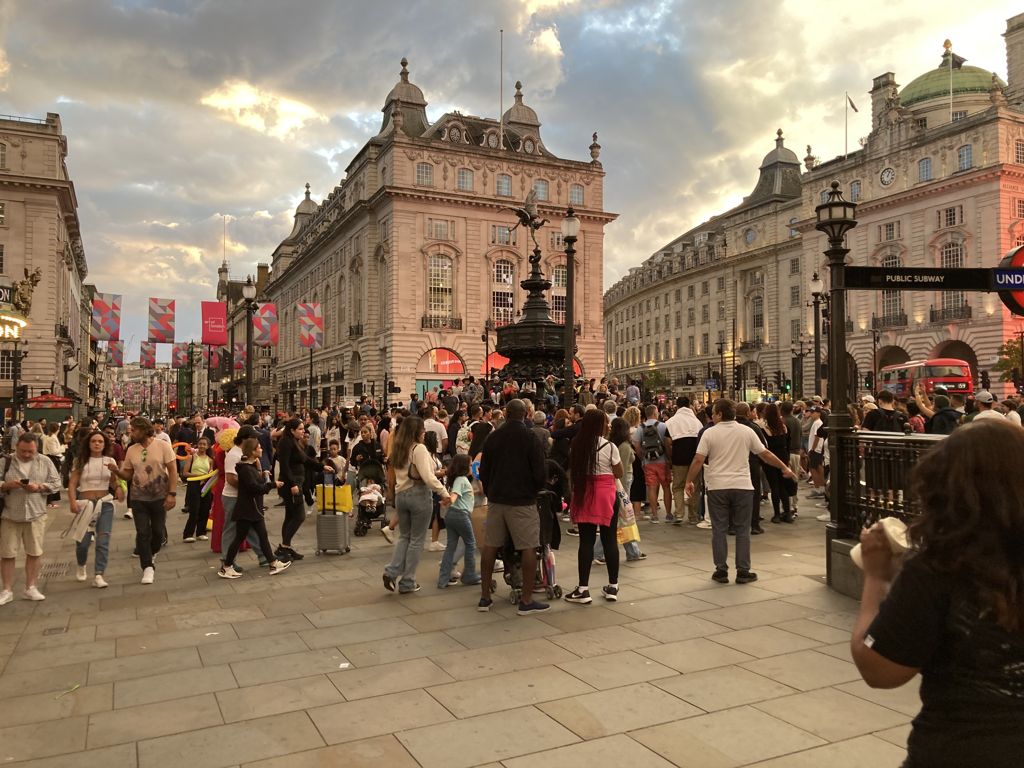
[895, 531]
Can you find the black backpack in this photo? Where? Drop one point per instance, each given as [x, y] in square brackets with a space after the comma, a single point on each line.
[651, 444]
[891, 421]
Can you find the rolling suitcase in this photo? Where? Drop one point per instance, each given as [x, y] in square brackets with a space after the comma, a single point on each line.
[332, 531]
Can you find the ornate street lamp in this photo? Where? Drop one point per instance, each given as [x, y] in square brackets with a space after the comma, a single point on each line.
[817, 291]
[799, 349]
[836, 217]
[570, 231]
[249, 294]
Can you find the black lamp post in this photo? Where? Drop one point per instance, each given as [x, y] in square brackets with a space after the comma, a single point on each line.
[249, 295]
[799, 349]
[19, 355]
[570, 231]
[817, 291]
[721, 368]
[485, 337]
[836, 217]
[875, 334]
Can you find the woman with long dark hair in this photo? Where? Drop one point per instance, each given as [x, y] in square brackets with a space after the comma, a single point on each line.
[777, 435]
[199, 463]
[413, 483]
[594, 465]
[295, 467]
[953, 610]
[92, 478]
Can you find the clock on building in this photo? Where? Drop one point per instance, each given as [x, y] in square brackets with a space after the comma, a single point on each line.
[492, 140]
[750, 236]
[887, 177]
[528, 145]
[454, 135]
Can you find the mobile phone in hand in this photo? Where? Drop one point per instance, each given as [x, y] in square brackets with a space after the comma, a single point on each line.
[24, 481]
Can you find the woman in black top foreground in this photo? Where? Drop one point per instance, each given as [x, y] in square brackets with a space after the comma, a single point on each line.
[955, 610]
[295, 470]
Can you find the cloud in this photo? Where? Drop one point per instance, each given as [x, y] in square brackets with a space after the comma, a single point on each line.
[261, 111]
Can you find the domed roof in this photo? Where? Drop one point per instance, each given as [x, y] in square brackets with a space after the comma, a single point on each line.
[404, 91]
[935, 83]
[780, 154]
[307, 206]
[519, 113]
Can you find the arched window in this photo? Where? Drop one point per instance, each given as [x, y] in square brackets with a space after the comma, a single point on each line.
[854, 191]
[757, 313]
[3, 155]
[924, 169]
[1018, 152]
[439, 286]
[963, 158]
[356, 300]
[341, 321]
[504, 272]
[540, 187]
[560, 276]
[892, 301]
[559, 281]
[576, 194]
[503, 185]
[465, 180]
[424, 175]
[951, 256]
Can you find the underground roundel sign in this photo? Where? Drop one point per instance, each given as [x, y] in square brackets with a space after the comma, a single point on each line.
[1013, 299]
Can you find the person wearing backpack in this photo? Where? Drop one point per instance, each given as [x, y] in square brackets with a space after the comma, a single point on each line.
[886, 418]
[653, 444]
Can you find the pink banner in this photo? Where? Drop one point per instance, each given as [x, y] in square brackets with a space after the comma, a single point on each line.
[179, 355]
[106, 317]
[115, 354]
[215, 323]
[239, 355]
[147, 355]
[311, 325]
[161, 321]
[264, 325]
[212, 357]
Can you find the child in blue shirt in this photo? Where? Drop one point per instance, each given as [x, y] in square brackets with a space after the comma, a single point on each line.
[458, 522]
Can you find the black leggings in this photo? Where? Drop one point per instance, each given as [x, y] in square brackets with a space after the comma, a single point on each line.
[242, 528]
[588, 535]
[774, 476]
[294, 517]
[198, 509]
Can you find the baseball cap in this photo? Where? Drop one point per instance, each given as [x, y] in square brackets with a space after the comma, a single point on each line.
[984, 396]
[868, 399]
[816, 399]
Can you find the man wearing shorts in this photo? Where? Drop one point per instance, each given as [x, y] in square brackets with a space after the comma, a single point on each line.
[512, 473]
[657, 468]
[29, 478]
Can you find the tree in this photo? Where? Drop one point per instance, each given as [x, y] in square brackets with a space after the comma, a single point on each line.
[1009, 359]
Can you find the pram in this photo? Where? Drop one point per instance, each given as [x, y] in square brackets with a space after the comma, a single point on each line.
[549, 507]
[371, 471]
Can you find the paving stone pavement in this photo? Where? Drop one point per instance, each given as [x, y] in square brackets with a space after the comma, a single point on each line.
[321, 666]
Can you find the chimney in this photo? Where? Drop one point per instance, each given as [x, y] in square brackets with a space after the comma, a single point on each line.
[880, 90]
[1014, 36]
[262, 277]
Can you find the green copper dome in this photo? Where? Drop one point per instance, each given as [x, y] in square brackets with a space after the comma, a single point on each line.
[935, 84]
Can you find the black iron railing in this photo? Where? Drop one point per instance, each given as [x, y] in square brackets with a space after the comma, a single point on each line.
[876, 482]
[963, 312]
[441, 323]
[748, 346]
[354, 331]
[898, 320]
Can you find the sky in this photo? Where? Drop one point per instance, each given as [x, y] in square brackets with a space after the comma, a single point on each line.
[183, 114]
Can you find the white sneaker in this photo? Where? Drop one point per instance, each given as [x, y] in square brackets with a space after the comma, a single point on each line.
[388, 534]
[435, 546]
[99, 582]
[6, 596]
[128, 514]
[147, 575]
[204, 537]
[499, 566]
[81, 574]
[229, 572]
[33, 593]
[823, 518]
[704, 525]
[279, 565]
[189, 540]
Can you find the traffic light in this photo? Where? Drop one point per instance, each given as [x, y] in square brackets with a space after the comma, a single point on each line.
[986, 383]
[869, 380]
[690, 381]
[787, 385]
[23, 393]
[778, 380]
[392, 389]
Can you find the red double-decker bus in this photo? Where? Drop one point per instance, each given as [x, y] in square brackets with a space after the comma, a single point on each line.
[900, 379]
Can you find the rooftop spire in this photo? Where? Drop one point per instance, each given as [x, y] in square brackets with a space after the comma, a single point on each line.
[307, 190]
[405, 70]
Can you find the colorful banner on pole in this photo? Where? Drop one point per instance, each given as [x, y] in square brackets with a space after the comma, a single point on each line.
[311, 325]
[239, 355]
[115, 354]
[179, 355]
[264, 325]
[212, 356]
[147, 354]
[161, 321]
[106, 317]
[215, 323]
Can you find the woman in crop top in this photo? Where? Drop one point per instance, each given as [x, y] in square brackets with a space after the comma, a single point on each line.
[92, 478]
[198, 504]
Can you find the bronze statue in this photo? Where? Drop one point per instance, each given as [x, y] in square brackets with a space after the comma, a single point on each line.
[528, 218]
[23, 291]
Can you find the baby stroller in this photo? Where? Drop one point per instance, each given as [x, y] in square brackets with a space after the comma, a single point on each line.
[549, 506]
[369, 506]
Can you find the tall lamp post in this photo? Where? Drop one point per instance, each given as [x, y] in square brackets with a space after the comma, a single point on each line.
[817, 291]
[485, 337]
[19, 355]
[570, 231]
[721, 368]
[249, 294]
[799, 350]
[875, 334]
[836, 217]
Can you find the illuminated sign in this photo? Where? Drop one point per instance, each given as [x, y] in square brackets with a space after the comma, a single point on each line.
[11, 326]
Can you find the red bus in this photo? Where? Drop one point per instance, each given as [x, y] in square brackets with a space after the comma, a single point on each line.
[900, 379]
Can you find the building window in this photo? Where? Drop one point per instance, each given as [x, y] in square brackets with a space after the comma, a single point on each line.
[575, 194]
[439, 286]
[794, 329]
[465, 180]
[657, 302]
[503, 185]
[3, 214]
[757, 312]
[922, 123]
[690, 291]
[677, 347]
[504, 272]
[1019, 240]
[1018, 152]
[503, 235]
[3, 155]
[540, 187]
[704, 345]
[384, 229]
[1020, 208]
[440, 229]
[3, 266]
[664, 355]
[705, 314]
[963, 158]
[501, 307]
[854, 191]
[689, 346]
[892, 301]
[960, 114]
[951, 256]
[705, 288]
[794, 295]
[691, 316]
[557, 241]
[721, 283]
[721, 310]
[679, 319]
[424, 175]
[824, 196]
[794, 266]
[924, 169]
[657, 325]
[648, 328]
[6, 360]
[792, 229]
[950, 217]
[889, 231]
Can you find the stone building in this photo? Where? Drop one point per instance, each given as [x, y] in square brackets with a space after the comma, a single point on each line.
[226, 383]
[413, 257]
[39, 230]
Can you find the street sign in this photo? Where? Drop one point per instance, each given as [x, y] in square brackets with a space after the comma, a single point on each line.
[711, 384]
[933, 279]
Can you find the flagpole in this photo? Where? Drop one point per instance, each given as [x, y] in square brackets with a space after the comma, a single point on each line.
[501, 89]
[950, 49]
[846, 124]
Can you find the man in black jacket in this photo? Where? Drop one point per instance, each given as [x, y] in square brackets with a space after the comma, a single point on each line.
[743, 417]
[512, 472]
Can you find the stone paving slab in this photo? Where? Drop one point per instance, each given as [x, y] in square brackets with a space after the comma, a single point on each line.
[321, 667]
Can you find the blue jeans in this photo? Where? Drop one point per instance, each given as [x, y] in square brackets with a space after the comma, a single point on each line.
[460, 528]
[413, 507]
[104, 524]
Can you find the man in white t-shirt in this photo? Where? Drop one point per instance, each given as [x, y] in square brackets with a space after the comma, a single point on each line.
[229, 497]
[727, 446]
[431, 424]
